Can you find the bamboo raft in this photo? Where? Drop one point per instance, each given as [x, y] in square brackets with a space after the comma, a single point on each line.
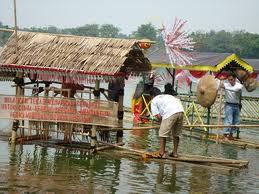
[242, 143]
[203, 161]
[212, 163]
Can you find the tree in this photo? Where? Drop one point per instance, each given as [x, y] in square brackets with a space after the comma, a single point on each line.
[91, 30]
[109, 31]
[4, 35]
[146, 31]
[53, 29]
[240, 42]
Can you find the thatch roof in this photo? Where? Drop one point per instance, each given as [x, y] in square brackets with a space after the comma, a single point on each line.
[208, 59]
[72, 55]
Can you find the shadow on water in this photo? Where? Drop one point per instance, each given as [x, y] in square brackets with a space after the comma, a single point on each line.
[32, 168]
[37, 169]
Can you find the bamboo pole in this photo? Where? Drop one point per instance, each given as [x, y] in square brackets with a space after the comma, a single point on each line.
[46, 125]
[120, 111]
[19, 75]
[15, 27]
[107, 146]
[223, 126]
[187, 126]
[241, 144]
[94, 127]
[220, 104]
[110, 128]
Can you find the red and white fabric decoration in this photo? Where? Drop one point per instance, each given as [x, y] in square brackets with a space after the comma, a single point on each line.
[178, 44]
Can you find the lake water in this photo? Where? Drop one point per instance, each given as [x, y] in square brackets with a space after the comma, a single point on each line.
[37, 169]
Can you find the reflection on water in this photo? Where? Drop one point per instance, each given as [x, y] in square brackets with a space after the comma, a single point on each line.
[32, 168]
[36, 169]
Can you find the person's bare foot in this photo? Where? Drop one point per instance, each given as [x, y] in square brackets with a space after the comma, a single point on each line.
[225, 138]
[174, 155]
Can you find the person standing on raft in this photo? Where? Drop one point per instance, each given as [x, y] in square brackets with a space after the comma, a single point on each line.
[168, 109]
[232, 106]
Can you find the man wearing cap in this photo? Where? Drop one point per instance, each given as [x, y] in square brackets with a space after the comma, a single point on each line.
[232, 105]
[168, 109]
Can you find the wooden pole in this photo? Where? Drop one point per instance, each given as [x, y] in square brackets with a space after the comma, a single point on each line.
[19, 80]
[15, 27]
[107, 146]
[219, 110]
[187, 126]
[223, 126]
[94, 127]
[18, 75]
[46, 125]
[120, 111]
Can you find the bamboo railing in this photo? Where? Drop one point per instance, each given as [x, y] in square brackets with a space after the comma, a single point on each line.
[249, 111]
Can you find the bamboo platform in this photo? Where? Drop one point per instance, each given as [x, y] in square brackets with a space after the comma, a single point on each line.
[241, 143]
[203, 161]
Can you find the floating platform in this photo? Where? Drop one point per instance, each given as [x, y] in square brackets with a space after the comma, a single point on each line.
[204, 161]
[241, 142]
[215, 163]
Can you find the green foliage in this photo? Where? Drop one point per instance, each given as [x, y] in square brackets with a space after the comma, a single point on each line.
[4, 35]
[109, 31]
[146, 31]
[91, 30]
[243, 43]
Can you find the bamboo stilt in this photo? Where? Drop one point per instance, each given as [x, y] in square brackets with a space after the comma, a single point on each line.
[19, 92]
[94, 127]
[120, 112]
[219, 110]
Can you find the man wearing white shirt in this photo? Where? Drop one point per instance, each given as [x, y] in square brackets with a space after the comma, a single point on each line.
[168, 109]
[232, 106]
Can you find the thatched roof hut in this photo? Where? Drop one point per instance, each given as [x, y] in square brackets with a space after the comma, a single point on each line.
[222, 60]
[72, 56]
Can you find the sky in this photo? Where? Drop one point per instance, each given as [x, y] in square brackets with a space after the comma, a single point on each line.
[204, 15]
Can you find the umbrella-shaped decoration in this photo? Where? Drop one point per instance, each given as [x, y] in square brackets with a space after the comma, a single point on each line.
[178, 44]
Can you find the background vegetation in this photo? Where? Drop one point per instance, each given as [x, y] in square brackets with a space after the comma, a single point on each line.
[243, 43]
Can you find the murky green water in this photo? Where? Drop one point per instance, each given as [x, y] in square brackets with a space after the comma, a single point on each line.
[36, 169]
